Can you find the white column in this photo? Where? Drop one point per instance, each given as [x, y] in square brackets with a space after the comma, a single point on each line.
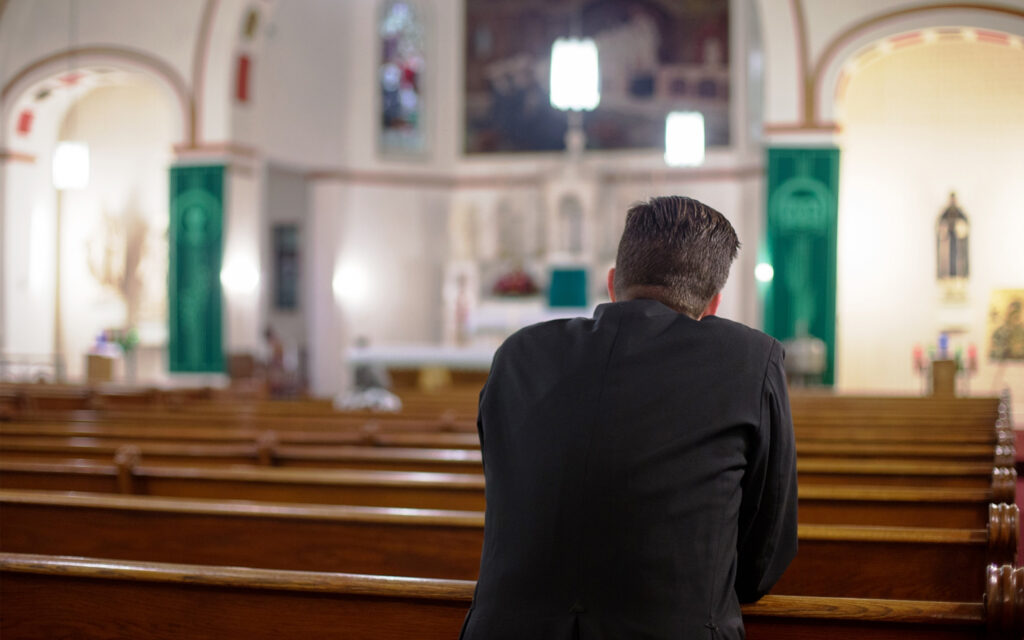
[327, 331]
[243, 276]
[27, 257]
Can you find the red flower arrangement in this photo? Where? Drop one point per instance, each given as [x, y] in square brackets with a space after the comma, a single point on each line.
[515, 283]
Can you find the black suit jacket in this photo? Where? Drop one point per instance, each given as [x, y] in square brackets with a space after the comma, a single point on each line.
[641, 478]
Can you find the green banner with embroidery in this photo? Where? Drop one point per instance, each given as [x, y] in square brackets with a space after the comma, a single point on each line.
[194, 290]
[803, 196]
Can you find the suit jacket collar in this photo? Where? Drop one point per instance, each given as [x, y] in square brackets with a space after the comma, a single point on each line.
[641, 306]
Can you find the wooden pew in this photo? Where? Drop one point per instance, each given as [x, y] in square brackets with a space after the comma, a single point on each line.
[55, 596]
[911, 410]
[367, 434]
[264, 451]
[405, 421]
[317, 486]
[397, 489]
[925, 414]
[267, 450]
[846, 471]
[834, 560]
[954, 507]
[353, 539]
[999, 445]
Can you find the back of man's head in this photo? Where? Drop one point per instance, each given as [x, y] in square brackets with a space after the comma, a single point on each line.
[675, 250]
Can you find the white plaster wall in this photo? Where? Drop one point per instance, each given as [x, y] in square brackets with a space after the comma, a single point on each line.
[243, 232]
[28, 255]
[215, 90]
[920, 123]
[33, 29]
[398, 239]
[781, 60]
[328, 372]
[302, 89]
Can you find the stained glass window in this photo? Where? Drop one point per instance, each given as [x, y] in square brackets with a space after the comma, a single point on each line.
[401, 78]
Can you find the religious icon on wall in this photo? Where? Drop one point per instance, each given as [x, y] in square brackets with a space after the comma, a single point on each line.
[655, 56]
[1006, 325]
[401, 33]
[952, 232]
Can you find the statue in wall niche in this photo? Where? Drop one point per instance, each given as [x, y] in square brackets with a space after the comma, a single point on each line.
[462, 231]
[511, 231]
[952, 232]
[538, 241]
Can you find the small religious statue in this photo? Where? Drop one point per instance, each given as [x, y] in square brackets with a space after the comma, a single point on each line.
[952, 232]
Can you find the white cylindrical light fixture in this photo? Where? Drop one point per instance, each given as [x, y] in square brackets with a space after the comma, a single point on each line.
[71, 165]
[684, 139]
[575, 76]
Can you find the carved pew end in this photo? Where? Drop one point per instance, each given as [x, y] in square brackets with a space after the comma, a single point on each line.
[1005, 455]
[266, 449]
[370, 434]
[127, 459]
[448, 421]
[1004, 484]
[1004, 602]
[1003, 532]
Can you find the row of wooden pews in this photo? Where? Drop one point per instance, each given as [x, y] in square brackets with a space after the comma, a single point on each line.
[896, 544]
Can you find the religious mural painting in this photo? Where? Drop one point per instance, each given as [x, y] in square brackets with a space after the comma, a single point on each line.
[1006, 325]
[655, 56]
[400, 76]
[194, 295]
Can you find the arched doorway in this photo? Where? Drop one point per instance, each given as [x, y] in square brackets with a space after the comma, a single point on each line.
[923, 113]
[108, 258]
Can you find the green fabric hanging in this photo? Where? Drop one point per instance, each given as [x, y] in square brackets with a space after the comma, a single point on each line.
[194, 289]
[803, 196]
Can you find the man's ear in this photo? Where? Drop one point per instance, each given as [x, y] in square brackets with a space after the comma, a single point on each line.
[712, 307]
[611, 283]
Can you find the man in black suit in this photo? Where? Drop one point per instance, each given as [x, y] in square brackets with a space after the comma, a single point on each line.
[640, 467]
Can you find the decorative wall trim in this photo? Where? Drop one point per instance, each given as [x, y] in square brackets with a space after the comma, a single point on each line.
[9, 155]
[503, 181]
[220, 149]
[920, 37]
[422, 180]
[702, 174]
[840, 40]
[802, 127]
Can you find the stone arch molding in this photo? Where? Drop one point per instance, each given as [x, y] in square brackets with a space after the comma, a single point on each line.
[114, 57]
[828, 70]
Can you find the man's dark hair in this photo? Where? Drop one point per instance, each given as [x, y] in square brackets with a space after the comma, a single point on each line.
[676, 250]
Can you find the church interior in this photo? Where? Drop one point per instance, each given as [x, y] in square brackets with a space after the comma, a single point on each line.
[220, 218]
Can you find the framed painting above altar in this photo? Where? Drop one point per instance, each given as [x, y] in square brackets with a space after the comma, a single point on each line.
[655, 56]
